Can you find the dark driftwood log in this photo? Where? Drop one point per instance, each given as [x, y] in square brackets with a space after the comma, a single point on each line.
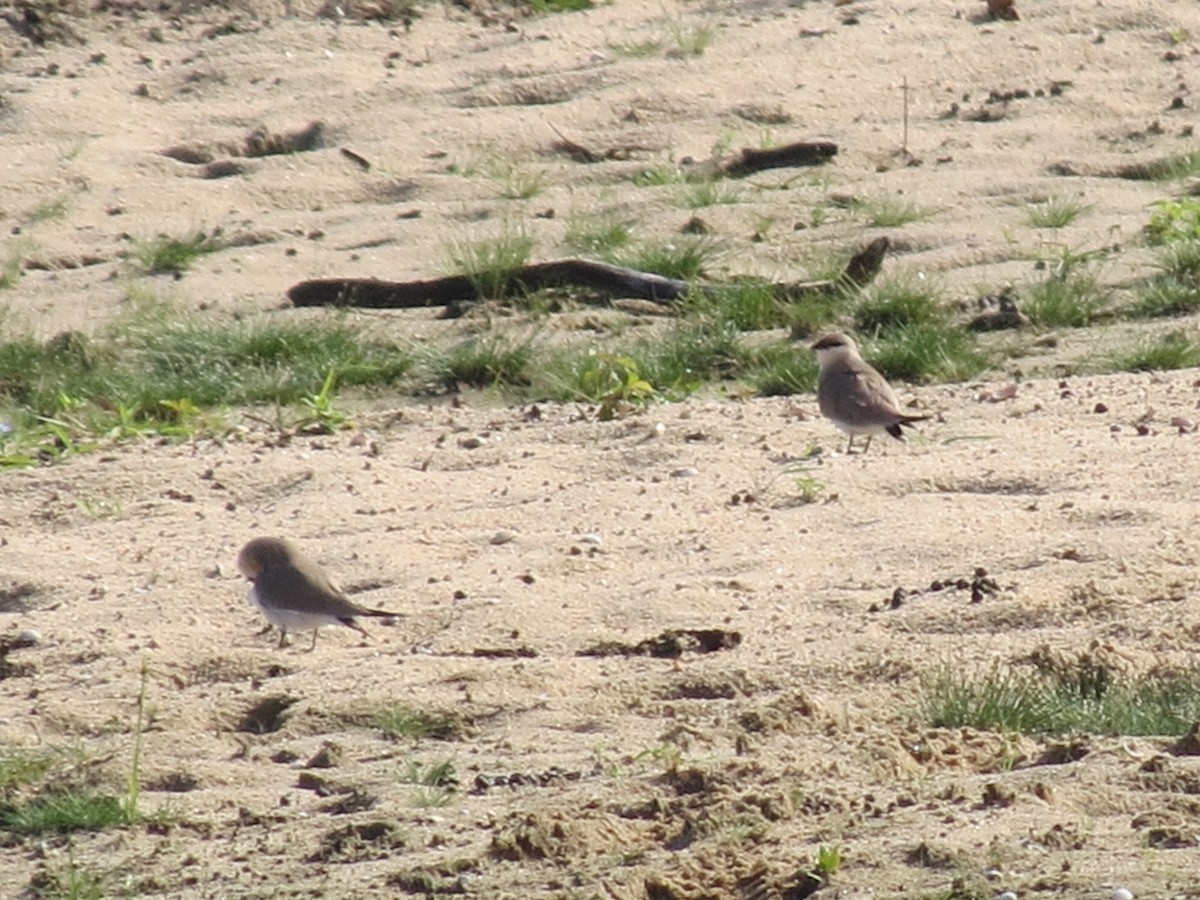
[749, 161]
[612, 281]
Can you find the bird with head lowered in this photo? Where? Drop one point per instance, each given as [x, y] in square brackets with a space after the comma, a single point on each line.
[292, 591]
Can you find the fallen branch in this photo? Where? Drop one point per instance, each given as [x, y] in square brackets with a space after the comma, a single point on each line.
[611, 281]
[749, 160]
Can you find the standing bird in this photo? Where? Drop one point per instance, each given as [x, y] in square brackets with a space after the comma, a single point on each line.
[292, 592]
[855, 397]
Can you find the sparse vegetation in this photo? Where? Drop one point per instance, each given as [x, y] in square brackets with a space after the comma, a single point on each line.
[928, 353]
[1089, 699]
[397, 721]
[690, 40]
[1174, 220]
[684, 258]
[598, 236]
[492, 264]
[886, 211]
[895, 303]
[700, 194]
[436, 783]
[165, 254]
[152, 373]
[781, 369]
[1056, 212]
[1074, 299]
[636, 49]
[1173, 350]
[485, 361]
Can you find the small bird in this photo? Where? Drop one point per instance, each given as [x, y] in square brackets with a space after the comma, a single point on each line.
[855, 397]
[293, 593]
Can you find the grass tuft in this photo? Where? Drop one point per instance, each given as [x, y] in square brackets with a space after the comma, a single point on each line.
[891, 304]
[483, 362]
[397, 721]
[1089, 700]
[492, 264]
[165, 254]
[1056, 212]
[929, 353]
[1174, 350]
[685, 258]
[891, 212]
[599, 236]
[1074, 299]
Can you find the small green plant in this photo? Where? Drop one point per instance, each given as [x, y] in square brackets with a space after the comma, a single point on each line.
[660, 175]
[436, 783]
[691, 40]
[886, 211]
[1163, 297]
[398, 722]
[71, 882]
[700, 194]
[51, 209]
[691, 353]
[808, 487]
[165, 254]
[898, 302]
[636, 49]
[320, 416]
[1174, 220]
[64, 812]
[1181, 166]
[1174, 350]
[1086, 699]
[746, 305]
[684, 258]
[829, 861]
[492, 265]
[487, 361]
[1180, 261]
[1175, 290]
[19, 767]
[598, 236]
[1056, 212]
[514, 182]
[1074, 299]
[781, 369]
[612, 381]
[928, 353]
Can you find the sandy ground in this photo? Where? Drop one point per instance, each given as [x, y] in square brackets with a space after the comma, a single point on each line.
[509, 540]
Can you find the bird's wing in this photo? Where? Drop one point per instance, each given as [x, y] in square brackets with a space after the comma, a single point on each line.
[305, 588]
[872, 392]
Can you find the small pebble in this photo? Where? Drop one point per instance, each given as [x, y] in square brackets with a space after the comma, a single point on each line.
[1007, 895]
[689, 472]
[590, 537]
[1122, 894]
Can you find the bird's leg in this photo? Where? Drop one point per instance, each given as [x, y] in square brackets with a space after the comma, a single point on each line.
[850, 445]
[282, 637]
[314, 643]
[868, 445]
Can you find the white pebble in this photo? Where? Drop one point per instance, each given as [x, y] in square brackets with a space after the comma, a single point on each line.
[1122, 894]
[1007, 895]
